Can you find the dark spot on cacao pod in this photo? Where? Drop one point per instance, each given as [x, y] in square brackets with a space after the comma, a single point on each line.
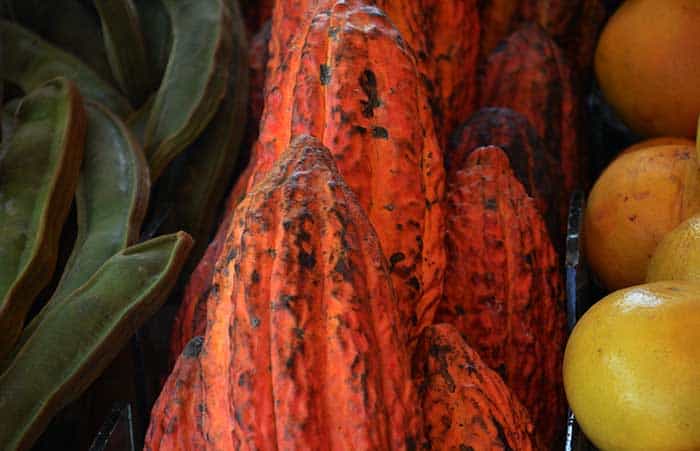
[233, 253]
[490, 204]
[194, 347]
[446, 421]
[380, 132]
[396, 258]
[307, 260]
[463, 447]
[287, 224]
[389, 207]
[358, 129]
[239, 417]
[333, 32]
[255, 322]
[255, 276]
[459, 310]
[502, 370]
[368, 83]
[343, 268]
[413, 283]
[325, 74]
[298, 332]
[411, 444]
[501, 434]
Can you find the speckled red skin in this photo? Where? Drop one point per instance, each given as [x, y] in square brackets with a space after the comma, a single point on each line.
[444, 35]
[529, 74]
[466, 405]
[503, 286]
[370, 109]
[354, 84]
[536, 168]
[304, 348]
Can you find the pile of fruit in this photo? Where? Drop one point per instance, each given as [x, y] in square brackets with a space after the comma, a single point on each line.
[385, 271]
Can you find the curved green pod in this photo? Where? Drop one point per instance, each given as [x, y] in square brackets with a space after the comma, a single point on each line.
[79, 338]
[204, 175]
[155, 24]
[195, 78]
[111, 202]
[126, 48]
[38, 176]
[29, 62]
[77, 31]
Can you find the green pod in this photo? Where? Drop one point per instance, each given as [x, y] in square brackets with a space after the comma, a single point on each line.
[111, 202]
[155, 24]
[38, 177]
[126, 49]
[77, 31]
[78, 339]
[195, 78]
[201, 180]
[29, 62]
[138, 119]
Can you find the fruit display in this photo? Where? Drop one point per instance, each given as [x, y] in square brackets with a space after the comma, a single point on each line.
[349, 224]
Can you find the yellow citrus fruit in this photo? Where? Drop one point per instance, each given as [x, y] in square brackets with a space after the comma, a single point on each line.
[638, 199]
[677, 257]
[632, 369]
[648, 65]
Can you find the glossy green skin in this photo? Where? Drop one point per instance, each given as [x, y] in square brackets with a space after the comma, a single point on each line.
[126, 49]
[209, 162]
[155, 24]
[29, 62]
[111, 202]
[38, 177]
[77, 32]
[195, 78]
[79, 338]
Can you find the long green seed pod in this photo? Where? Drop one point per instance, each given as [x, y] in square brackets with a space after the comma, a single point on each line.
[29, 62]
[210, 160]
[38, 176]
[111, 202]
[195, 78]
[126, 49]
[78, 339]
[76, 32]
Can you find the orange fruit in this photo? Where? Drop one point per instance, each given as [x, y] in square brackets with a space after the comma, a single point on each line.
[638, 199]
[648, 66]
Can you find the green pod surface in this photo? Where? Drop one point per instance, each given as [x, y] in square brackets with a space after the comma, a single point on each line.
[126, 49]
[111, 202]
[195, 78]
[38, 176]
[29, 62]
[204, 175]
[77, 31]
[155, 24]
[78, 339]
